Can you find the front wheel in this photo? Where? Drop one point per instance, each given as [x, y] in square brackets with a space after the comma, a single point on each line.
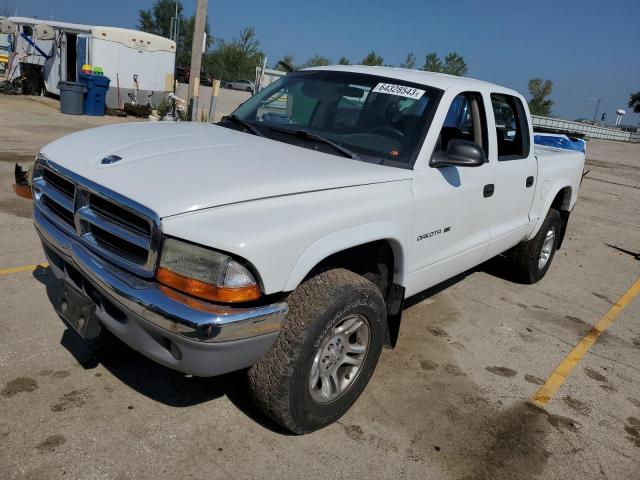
[532, 259]
[326, 353]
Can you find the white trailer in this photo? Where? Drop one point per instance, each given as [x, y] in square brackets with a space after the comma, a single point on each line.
[58, 50]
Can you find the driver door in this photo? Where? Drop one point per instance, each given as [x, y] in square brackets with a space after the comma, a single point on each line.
[450, 228]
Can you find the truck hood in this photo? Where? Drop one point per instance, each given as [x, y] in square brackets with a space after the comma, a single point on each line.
[174, 168]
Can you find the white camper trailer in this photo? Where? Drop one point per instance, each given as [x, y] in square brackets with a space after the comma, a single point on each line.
[57, 51]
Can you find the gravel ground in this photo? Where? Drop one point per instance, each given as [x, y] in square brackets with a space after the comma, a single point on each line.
[451, 401]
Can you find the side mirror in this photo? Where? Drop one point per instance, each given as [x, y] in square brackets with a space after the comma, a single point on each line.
[460, 153]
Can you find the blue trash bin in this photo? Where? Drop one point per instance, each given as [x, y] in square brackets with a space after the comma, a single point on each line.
[95, 99]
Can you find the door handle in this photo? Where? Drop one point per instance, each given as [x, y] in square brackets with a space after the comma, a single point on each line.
[488, 190]
[529, 181]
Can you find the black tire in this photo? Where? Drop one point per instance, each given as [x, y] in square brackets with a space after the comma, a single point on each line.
[525, 257]
[280, 380]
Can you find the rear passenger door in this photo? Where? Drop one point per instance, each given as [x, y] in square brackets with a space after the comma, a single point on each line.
[515, 173]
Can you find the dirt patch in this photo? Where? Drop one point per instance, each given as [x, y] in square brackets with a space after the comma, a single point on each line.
[603, 297]
[577, 405]
[632, 428]
[19, 385]
[454, 370]
[533, 379]
[72, 399]
[50, 443]
[502, 371]
[354, 432]
[58, 374]
[594, 374]
[438, 332]
[428, 365]
[516, 448]
[563, 423]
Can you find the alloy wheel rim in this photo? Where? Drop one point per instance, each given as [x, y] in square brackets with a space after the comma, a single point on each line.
[547, 248]
[339, 359]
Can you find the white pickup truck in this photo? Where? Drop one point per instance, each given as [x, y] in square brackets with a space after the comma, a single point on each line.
[285, 239]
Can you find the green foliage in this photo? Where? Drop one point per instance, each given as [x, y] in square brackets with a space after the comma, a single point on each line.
[157, 20]
[288, 59]
[316, 61]
[344, 61]
[453, 64]
[634, 102]
[432, 63]
[372, 59]
[236, 59]
[539, 91]
[410, 61]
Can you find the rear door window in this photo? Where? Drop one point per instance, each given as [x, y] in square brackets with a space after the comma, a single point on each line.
[512, 129]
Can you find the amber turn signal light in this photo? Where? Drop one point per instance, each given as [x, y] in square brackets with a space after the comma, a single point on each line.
[207, 291]
[23, 191]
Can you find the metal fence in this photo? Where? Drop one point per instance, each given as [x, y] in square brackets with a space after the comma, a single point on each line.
[590, 131]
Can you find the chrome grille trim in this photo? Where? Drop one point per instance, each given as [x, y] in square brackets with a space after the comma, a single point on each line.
[142, 255]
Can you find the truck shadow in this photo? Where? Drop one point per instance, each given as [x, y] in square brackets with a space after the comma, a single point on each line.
[154, 381]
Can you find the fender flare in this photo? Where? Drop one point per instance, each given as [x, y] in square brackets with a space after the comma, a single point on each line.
[341, 240]
[549, 198]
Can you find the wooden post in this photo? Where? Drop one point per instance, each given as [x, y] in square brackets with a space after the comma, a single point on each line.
[197, 49]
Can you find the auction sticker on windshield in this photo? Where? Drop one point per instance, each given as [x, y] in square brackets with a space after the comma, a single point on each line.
[400, 90]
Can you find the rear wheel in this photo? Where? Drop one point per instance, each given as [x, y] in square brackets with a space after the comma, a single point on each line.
[532, 259]
[326, 353]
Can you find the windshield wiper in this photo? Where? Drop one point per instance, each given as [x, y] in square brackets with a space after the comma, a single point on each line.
[246, 125]
[306, 135]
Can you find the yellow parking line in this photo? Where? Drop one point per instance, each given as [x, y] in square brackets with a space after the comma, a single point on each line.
[26, 268]
[560, 374]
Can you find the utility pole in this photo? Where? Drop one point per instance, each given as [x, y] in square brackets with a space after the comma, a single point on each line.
[597, 107]
[197, 49]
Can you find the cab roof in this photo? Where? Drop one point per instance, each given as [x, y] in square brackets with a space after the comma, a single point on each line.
[432, 79]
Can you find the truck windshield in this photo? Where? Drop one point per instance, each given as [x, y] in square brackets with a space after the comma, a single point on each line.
[375, 119]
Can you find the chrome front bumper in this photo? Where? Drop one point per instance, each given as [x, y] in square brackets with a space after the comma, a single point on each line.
[172, 319]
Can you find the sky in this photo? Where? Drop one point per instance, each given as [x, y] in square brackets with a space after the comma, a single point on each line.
[589, 49]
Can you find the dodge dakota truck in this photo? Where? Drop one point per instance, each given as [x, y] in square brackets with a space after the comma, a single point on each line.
[284, 239]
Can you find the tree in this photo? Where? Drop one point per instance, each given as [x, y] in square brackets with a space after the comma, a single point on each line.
[453, 64]
[316, 61]
[372, 59]
[410, 61]
[539, 91]
[157, 20]
[288, 59]
[344, 61]
[634, 102]
[236, 59]
[432, 63]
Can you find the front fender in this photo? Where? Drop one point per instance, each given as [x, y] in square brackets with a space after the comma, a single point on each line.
[344, 239]
[284, 237]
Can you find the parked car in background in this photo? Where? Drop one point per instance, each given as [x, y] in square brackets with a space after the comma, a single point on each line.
[246, 85]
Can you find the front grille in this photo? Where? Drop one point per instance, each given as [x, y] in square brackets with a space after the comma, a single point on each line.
[64, 186]
[118, 245]
[118, 214]
[64, 214]
[114, 227]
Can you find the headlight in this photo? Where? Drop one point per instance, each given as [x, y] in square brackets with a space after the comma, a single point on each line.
[205, 273]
